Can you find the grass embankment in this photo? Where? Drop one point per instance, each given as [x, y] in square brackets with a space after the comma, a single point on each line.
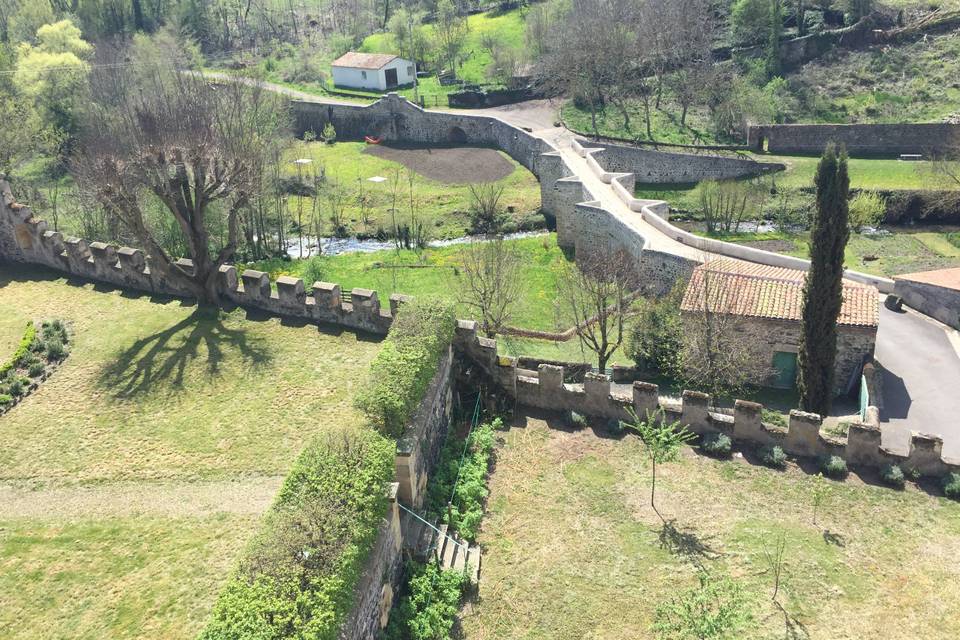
[570, 537]
[507, 27]
[443, 207]
[133, 478]
[437, 271]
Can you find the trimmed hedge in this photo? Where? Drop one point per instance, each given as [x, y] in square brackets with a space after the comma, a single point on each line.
[400, 374]
[26, 342]
[298, 576]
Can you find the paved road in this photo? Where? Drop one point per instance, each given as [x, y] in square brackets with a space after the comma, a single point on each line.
[921, 385]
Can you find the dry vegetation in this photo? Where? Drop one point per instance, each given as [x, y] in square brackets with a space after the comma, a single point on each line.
[131, 480]
[572, 549]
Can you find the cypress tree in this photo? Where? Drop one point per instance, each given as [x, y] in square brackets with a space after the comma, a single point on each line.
[823, 289]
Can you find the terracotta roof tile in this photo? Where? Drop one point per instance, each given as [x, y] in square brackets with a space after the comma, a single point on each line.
[762, 291]
[357, 60]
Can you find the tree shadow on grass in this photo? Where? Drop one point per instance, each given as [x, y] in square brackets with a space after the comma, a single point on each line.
[686, 544]
[793, 629]
[160, 360]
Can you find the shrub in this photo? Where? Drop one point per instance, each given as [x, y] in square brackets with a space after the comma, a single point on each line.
[773, 457]
[578, 420]
[951, 485]
[866, 210]
[5, 400]
[55, 349]
[16, 387]
[893, 475]
[773, 417]
[429, 608]
[470, 477]
[656, 338]
[834, 467]
[717, 444]
[26, 342]
[297, 578]
[36, 369]
[406, 363]
[615, 426]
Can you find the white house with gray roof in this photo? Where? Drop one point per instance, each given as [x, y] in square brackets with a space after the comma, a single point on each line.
[372, 71]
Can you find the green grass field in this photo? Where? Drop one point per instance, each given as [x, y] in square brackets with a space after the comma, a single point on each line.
[134, 476]
[438, 272]
[573, 550]
[443, 207]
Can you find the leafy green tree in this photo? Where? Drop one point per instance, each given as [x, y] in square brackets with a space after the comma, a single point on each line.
[866, 210]
[714, 609]
[856, 9]
[773, 38]
[53, 73]
[24, 22]
[823, 289]
[656, 340]
[749, 21]
[661, 440]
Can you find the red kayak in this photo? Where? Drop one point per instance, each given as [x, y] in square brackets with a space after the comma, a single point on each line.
[372, 140]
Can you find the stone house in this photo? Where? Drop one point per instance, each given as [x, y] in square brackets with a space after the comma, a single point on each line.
[766, 302]
[372, 71]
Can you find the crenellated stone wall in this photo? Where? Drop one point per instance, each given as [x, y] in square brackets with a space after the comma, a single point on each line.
[596, 396]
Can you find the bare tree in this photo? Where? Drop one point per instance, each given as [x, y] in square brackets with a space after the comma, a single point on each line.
[195, 148]
[485, 213]
[597, 294]
[718, 356]
[491, 282]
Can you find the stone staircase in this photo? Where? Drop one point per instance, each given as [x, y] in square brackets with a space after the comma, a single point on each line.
[426, 541]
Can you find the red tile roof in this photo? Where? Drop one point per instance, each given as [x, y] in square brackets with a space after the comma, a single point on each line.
[357, 60]
[946, 278]
[762, 291]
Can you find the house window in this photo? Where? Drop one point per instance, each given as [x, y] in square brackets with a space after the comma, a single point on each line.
[363, 74]
[410, 71]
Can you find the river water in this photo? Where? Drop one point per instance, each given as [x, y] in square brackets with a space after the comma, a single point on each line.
[336, 246]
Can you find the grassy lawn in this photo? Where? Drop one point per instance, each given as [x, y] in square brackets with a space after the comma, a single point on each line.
[870, 174]
[444, 207]
[573, 550]
[438, 272]
[133, 476]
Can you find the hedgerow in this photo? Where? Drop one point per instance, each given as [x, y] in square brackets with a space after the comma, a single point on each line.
[406, 363]
[297, 578]
[470, 477]
[26, 342]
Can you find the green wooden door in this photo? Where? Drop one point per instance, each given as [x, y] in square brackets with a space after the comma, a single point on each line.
[785, 365]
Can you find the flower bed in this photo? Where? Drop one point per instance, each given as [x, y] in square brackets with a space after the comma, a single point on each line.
[42, 348]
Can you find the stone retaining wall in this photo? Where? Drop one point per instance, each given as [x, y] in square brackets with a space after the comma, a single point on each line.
[942, 303]
[545, 389]
[859, 139]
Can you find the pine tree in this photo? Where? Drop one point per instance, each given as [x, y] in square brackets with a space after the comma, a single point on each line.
[823, 290]
[773, 39]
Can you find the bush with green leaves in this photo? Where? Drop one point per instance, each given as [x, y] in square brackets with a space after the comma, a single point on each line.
[951, 485]
[655, 341]
[22, 350]
[297, 578]
[428, 609]
[5, 399]
[774, 418]
[866, 209]
[715, 608]
[833, 467]
[36, 369]
[717, 444]
[55, 349]
[400, 374]
[893, 475]
[470, 477]
[578, 420]
[773, 457]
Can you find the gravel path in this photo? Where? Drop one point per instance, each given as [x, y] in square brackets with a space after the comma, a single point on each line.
[248, 495]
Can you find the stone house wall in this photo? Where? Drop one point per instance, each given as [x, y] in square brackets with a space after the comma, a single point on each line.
[765, 336]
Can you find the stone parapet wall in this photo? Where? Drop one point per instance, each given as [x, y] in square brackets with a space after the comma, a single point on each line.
[859, 139]
[663, 167]
[942, 303]
[545, 389]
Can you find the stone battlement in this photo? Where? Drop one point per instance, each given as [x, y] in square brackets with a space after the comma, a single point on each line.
[596, 397]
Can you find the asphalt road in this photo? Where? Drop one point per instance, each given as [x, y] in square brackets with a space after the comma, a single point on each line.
[921, 384]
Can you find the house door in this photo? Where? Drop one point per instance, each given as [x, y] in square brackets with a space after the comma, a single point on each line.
[785, 367]
[391, 75]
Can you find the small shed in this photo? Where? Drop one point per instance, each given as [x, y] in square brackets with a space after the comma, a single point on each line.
[373, 71]
[766, 302]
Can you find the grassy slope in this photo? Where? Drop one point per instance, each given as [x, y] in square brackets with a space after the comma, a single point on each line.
[572, 549]
[508, 27]
[443, 206]
[151, 391]
[439, 275]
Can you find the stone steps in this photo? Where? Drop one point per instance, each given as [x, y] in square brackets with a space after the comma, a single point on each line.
[427, 542]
